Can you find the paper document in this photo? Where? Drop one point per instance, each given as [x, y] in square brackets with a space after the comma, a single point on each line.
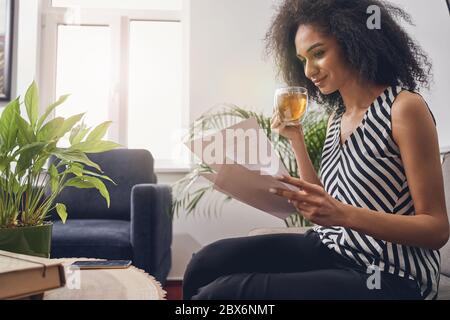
[245, 164]
[244, 143]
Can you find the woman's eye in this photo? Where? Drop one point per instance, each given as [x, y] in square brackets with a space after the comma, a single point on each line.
[319, 54]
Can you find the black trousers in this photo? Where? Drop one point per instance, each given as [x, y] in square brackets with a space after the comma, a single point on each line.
[284, 267]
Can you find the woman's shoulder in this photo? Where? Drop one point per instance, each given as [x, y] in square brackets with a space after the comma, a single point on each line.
[409, 106]
[407, 96]
[410, 110]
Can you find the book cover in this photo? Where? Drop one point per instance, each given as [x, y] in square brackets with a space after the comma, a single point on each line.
[22, 275]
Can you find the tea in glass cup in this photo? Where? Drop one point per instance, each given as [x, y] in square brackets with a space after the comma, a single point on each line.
[291, 105]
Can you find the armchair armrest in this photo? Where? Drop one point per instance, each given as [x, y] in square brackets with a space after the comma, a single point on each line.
[151, 229]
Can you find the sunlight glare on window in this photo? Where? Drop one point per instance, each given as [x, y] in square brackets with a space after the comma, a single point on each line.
[155, 89]
[121, 4]
[83, 71]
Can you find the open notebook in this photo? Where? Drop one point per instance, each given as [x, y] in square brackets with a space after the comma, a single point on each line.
[23, 276]
[241, 174]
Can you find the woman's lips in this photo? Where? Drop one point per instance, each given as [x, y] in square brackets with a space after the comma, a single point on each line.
[319, 82]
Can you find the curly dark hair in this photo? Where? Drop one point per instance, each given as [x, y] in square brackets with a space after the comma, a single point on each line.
[386, 56]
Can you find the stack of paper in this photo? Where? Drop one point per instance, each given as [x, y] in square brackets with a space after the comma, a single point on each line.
[246, 165]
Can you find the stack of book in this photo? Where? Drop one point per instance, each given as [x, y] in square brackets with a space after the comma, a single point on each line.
[23, 276]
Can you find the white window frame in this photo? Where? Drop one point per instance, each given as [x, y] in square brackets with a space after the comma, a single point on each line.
[119, 21]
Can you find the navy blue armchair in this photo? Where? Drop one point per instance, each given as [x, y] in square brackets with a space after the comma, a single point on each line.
[136, 226]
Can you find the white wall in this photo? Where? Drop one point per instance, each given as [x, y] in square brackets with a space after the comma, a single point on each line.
[227, 54]
[227, 66]
[27, 49]
[431, 30]
[25, 55]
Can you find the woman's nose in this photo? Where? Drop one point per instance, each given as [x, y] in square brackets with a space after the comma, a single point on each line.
[310, 70]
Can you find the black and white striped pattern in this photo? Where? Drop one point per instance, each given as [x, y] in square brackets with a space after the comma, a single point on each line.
[367, 171]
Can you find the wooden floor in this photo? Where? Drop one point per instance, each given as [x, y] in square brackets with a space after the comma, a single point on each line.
[174, 290]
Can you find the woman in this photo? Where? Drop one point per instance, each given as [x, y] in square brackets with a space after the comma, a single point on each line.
[378, 203]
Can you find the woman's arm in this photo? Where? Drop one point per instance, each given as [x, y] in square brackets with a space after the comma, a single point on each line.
[415, 134]
[306, 170]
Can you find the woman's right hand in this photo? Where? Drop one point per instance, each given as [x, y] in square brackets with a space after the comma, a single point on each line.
[292, 133]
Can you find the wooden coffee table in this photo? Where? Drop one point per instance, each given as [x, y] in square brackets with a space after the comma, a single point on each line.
[106, 284]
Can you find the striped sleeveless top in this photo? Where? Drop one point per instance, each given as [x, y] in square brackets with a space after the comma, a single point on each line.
[367, 171]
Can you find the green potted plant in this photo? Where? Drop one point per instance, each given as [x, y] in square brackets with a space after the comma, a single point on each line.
[188, 196]
[28, 186]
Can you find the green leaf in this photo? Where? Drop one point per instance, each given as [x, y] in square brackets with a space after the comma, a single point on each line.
[8, 125]
[25, 132]
[69, 123]
[78, 133]
[100, 187]
[50, 109]
[12, 184]
[78, 182]
[32, 146]
[32, 103]
[3, 163]
[75, 156]
[98, 175]
[27, 154]
[62, 212]
[50, 130]
[86, 182]
[76, 169]
[95, 146]
[99, 132]
[54, 177]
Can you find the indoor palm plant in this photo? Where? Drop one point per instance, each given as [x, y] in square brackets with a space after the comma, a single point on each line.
[28, 185]
[191, 197]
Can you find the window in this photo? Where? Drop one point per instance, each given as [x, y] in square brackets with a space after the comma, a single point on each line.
[155, 78]
[84, 72]
[123, 61]
[121, 4]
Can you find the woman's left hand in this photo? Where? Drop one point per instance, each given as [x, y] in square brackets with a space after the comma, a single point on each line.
[313, 202]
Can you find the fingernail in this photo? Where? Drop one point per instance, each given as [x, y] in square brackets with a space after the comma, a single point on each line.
[272, 190]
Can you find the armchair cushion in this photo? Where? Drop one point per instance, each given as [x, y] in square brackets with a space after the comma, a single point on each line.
[103, 239]
[126, 168]
[445, 251]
